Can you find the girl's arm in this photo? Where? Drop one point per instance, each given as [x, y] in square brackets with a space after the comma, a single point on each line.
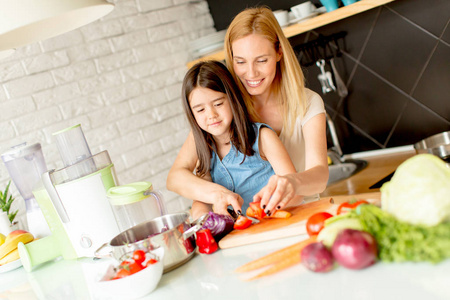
[182, 181]
[281, 187]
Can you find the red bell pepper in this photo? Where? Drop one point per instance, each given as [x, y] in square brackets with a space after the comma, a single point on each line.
[255, 211]
[258, 212]
[242, 222]
[347, 206]
[205, 242]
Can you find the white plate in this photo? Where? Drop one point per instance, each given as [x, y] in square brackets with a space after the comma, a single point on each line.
[297, 20]
[11, 266]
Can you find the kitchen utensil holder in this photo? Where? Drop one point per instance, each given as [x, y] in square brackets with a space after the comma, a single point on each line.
[324, 47]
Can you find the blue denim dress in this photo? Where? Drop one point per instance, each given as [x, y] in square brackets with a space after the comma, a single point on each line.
[245, 179]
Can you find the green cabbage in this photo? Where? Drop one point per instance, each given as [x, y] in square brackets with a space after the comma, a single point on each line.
[419, 191]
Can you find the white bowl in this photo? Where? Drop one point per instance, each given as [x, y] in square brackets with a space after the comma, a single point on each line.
[133, 286]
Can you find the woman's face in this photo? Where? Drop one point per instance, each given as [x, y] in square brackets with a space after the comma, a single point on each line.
[255, 63]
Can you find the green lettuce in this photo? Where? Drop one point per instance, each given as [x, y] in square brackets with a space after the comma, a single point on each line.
[419, 191]
[400, 241]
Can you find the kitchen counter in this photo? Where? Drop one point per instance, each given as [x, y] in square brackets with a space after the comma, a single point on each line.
[212, 277]
[381, 163]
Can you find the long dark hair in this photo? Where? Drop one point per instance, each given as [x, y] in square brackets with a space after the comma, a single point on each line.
[215, 76]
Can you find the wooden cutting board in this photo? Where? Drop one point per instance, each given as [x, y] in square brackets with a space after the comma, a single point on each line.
[271, 229]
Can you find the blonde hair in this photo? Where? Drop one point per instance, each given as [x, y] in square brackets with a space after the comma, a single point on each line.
[289, 81]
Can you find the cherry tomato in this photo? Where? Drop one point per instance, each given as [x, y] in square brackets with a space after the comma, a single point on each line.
[128, 267]
[315, 223]
[139, 256]
[151, 261]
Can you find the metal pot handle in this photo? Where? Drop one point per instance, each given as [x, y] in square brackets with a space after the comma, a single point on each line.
[99, 254]
[198, 224]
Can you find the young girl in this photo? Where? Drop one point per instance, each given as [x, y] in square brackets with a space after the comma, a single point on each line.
[231, 150]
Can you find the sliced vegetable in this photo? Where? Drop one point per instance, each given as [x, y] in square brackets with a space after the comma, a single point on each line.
[315, 223]
[278, 214]
[354, 249]
[257, 210]
[289, 253]
[251, 213]
[329, 233]
[219, 225]
[242, 223]
[347, 206]
[205, 242]
[317, 258]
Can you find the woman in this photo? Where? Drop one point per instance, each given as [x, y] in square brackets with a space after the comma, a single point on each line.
[264, 65]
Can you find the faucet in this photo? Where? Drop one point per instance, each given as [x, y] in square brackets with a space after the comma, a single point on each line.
[335, 152]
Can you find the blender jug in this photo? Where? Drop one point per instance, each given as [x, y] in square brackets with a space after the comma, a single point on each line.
[25, 165]
[135, 203]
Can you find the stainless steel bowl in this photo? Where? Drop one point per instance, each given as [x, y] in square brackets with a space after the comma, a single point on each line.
[438, 144]
[169, 232]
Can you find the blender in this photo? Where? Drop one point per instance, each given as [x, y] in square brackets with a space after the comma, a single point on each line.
[74, 202]
[25, 165]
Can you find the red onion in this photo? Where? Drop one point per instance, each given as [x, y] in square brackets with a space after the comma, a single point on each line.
[317, 258]
[354, 249]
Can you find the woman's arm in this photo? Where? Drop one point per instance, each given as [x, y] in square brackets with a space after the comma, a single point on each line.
[182, 181]
[281, 188]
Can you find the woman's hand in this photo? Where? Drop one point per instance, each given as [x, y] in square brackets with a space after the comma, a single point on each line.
[279, 191]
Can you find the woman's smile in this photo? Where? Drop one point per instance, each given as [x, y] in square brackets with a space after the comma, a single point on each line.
[254, 83]
[255, 63]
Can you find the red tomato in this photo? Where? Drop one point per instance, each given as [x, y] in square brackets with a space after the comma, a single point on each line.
[315, 223]
[347, 206]
[151, 261]
[139, 256]
[242, 223]
[128, 267]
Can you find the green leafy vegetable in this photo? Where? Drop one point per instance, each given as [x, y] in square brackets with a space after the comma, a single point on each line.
[400, 241]
[419, 191]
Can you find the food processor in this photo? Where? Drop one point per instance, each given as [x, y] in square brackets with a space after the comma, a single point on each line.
[25, 165]
[74, 202]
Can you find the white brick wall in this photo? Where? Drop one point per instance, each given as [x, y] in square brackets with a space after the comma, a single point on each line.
[120, 77]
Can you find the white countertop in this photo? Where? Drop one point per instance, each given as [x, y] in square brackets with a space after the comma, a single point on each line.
[212, 277]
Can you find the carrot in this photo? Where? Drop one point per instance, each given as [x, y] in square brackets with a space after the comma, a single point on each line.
[277, 256]
[280, 265]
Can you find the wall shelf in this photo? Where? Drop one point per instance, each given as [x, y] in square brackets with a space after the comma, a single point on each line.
[320, 20]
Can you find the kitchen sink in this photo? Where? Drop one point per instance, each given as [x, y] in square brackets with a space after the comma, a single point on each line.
[340, 168]
[345, 169]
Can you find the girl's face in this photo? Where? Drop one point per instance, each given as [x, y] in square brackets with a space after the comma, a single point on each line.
[255, 63]
[212, 111]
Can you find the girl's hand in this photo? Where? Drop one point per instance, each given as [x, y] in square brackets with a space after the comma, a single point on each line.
[278, 192]
[222, 199]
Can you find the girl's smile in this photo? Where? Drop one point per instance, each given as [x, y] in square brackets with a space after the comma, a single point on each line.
[212, 111]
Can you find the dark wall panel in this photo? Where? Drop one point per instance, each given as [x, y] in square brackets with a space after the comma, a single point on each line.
[396, 66]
